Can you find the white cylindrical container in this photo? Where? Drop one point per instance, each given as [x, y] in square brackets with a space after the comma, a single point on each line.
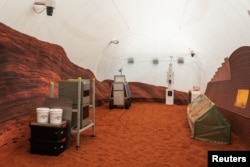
[42, 115]
[56, 115]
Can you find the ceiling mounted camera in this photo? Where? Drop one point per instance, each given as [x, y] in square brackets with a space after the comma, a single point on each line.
[48, 5]
[192, 53]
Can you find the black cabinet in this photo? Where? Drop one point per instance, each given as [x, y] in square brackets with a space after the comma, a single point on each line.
[49, 139]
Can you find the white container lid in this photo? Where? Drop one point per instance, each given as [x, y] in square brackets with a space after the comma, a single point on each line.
[55, 110]
[42, 109]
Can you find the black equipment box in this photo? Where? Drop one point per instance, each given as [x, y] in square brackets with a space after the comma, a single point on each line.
[52, 132]
[49, 139]
[46, 147]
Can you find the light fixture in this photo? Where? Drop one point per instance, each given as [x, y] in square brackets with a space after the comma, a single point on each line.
[114, 41]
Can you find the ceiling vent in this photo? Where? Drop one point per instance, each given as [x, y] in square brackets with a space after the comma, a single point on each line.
[180, 60]
[130, 60]
[155, 61]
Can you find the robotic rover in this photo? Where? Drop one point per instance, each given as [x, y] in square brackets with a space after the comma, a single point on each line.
[120, 93]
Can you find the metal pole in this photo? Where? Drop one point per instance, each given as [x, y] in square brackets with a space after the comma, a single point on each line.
[78, 114]
[93, 106]
[51, 89]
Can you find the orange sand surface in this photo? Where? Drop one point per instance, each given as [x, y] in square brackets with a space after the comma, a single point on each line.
[146, 135]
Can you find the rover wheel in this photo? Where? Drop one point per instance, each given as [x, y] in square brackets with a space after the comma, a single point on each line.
[111, 104]
[126, 104]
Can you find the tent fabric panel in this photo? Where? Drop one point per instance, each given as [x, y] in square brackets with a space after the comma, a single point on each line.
[212, 127]
[219, 135]
[198, 107]
[206, 123]
[199, 111]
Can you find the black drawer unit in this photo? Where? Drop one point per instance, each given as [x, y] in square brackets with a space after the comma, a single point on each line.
[49, 139]
[52, 132]
[47, 147]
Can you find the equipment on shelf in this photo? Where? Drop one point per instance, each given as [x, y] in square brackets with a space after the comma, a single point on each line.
[78, 91]
[68, 89]
[74, 100]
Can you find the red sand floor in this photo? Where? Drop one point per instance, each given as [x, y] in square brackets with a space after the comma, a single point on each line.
[146, 135]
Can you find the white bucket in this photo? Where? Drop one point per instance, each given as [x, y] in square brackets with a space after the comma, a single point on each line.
[42, 115]
[56, 115]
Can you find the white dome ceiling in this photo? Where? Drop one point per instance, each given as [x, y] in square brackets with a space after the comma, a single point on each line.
[145, 29]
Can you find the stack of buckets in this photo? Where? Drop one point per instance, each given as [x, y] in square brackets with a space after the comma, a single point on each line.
[47, 115]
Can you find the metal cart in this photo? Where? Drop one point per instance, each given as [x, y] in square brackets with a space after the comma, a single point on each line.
[78, 90]
[120, 93]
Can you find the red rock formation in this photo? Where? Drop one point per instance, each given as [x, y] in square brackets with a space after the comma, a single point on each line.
[224, 92]
[28, 65]
[223, 72]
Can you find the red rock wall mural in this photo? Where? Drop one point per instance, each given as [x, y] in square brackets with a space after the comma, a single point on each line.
[28, 65]
[223, 88]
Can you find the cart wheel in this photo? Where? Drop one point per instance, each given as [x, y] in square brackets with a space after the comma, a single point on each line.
[127, 104]
[77, 148]
[111, 105]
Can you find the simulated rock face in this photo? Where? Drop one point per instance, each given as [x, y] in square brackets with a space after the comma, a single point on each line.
[223, 88]
[28, 65]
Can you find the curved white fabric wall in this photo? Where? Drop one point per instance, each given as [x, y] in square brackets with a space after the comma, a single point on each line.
[146, 30]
